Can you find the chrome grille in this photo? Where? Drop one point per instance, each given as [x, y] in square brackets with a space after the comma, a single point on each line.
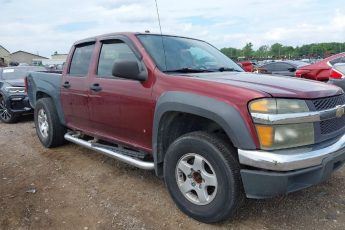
[335, 124]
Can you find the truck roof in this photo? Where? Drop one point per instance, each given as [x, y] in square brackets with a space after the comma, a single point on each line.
[105, 36]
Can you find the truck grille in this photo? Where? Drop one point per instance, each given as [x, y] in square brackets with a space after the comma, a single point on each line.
[328, 103]
[335, 124]
[332, 125]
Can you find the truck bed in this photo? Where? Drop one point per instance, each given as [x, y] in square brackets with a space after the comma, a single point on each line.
[43, 84]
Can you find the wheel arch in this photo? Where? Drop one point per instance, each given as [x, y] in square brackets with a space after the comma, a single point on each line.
[44, 93]
[207, 110]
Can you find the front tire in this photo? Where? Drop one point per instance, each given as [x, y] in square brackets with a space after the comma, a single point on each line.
[202, 175]
[5, 115]
[48, 127]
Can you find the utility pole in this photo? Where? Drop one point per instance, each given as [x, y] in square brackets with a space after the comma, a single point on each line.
[279, 52]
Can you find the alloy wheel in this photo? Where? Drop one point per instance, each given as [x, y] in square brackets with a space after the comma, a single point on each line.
[196, 179]
[4, 113]
[43, 125]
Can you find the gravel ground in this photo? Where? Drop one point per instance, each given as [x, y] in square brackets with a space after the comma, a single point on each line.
[73, 188]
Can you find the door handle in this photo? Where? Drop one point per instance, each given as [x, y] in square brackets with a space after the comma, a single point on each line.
[96, 87]
[66, 85]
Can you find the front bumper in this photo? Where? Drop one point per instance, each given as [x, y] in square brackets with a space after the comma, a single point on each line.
[285, 171]
[18, 104]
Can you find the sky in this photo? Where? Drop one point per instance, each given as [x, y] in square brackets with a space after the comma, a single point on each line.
[45, 26]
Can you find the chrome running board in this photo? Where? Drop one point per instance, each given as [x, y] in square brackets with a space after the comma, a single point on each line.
[111, 153]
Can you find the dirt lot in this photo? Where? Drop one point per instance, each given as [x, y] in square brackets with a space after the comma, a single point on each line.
[74, 188]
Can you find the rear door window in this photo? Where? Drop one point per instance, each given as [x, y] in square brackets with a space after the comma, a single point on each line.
[81, 59]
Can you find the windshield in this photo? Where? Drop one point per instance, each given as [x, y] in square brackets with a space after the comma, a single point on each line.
[18, 73]
[177, 54]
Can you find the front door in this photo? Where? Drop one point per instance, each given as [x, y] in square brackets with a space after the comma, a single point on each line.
[75, 88]
[121, 110]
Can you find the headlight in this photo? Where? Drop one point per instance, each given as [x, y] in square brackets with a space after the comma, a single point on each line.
[14, 90]
[278, 106]
[279, 136]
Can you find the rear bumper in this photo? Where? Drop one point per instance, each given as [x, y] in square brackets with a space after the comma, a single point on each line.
[18, 104]
[282, 172]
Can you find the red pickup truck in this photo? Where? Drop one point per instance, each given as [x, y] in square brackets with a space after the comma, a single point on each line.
[178, 106]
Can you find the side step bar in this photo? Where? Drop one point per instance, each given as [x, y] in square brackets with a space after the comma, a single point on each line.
[111, 153]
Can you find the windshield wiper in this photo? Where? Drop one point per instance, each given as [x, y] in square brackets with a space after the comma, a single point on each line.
[225, 69]
[188, 70]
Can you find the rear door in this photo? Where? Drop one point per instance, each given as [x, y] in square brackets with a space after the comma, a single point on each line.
[75, 87]
[121, 110]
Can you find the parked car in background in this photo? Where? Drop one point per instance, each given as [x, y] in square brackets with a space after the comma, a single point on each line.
[337, 75]
[247, 66]
[13, 98]
[320, 71]
[285, 68]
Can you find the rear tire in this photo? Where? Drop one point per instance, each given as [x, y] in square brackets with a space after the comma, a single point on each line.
[5, 115]
[48, 127]
[203, 177]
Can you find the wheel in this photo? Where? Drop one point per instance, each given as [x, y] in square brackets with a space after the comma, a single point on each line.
[5, 115]
[202, 175]
[48, 127]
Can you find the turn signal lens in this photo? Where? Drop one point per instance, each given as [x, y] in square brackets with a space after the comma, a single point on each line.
[265, 134]
[263, 106]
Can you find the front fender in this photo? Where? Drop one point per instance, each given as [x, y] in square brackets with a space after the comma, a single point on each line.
[228, 117]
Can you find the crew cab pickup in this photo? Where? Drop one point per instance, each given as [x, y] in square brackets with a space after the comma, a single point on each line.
[178, 106]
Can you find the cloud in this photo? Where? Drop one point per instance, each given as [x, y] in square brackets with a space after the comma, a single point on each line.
[54, 25]
[76, 26]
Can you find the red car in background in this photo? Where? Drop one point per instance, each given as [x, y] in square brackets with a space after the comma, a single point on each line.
[320, 71]
[247, 66]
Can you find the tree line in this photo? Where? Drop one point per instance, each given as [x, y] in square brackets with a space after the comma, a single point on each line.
[278, 51]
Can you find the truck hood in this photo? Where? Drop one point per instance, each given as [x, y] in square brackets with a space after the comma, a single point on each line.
[16, 82]
[276, 86]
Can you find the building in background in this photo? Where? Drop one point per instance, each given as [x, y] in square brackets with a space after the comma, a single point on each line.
[55, 60]
[25, 57]
[57, 56]
[5, 56]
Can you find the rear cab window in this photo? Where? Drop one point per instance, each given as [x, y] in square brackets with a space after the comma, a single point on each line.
[81, 59]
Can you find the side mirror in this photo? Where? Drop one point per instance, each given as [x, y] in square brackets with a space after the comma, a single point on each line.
[129, 69]
[292, 69]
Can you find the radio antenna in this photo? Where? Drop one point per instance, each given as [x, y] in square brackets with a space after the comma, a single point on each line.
[159, 20]
[160, 29]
